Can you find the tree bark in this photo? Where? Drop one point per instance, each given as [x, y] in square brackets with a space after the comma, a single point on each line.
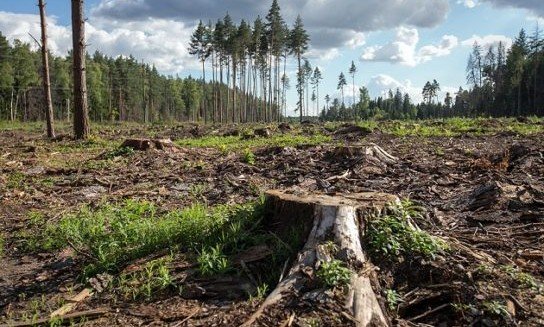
[340, 219]
[11, 112]
[45, 78]
[81, 114]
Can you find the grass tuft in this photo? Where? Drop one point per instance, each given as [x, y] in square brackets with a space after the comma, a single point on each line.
[113, 235]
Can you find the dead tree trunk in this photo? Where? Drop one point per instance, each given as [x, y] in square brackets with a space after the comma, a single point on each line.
[340, 219]
[81, 114]
[46, 79]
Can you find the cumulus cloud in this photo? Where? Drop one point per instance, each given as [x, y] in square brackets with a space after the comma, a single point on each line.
[468, 3]
[343, 25]
[488, 40]
[162, 42]
[403, 50]
[380, 85]
[534, 6]
[19, 26]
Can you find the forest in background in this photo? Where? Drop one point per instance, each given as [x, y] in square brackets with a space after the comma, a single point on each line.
[248, 82]
[502, 82]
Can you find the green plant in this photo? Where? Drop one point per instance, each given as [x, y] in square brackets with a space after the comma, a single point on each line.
[522, 278]
[333, 273]
[392, 234]
[463, 308]
[249, 157]
[236, 143]
[152, 279]
[112, 235]
[262, 290]
[211, 261]
[197, 190]
[483, 269]
[496, 308]
[119, 152]
[15, 180]
[392, 298]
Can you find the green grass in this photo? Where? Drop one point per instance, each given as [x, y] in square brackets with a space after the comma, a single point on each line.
[523, 279]
[235, 143]
[249, 157]
[119, 152]
[392, 235]
[92, 143]
[113, 235]
[6, 125]
[153, 278]
[212, 261]
[451, 127]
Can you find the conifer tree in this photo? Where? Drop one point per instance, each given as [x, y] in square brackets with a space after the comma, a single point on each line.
[299, 40]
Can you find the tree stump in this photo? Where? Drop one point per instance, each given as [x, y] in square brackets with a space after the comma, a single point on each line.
[340, 219]
[147, 144]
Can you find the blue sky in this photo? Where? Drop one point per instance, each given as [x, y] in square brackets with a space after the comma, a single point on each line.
[394, 43]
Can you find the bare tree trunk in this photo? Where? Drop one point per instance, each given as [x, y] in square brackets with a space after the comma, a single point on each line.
[214, 90]
[68, 107]
[110, 96]
[220, 92]
[45, 78]
[204, 92]
[81, 114]
[11, 112]
[144, 104]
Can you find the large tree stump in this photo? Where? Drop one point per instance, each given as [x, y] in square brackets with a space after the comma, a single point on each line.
[340, 219]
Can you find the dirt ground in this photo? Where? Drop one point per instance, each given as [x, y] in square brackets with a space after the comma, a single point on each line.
[484, 193]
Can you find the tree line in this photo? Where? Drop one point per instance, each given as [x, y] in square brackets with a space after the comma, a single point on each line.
[502, 81]
[248, 80]
[249, 61]
[118, 89]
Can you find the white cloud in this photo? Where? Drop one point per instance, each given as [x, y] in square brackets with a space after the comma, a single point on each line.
[380, 85]
[487, 40]
[19, 26]
[357, 40]
[468, 3]
[161, 42]
[331, 23]
[403, 50]
[323, 54]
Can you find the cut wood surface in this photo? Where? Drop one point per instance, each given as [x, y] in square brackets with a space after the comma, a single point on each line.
[338, 218]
